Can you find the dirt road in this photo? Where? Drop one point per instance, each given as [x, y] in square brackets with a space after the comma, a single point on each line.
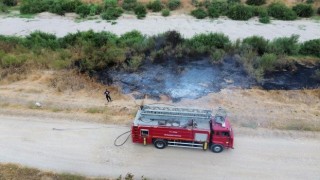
[185, 24]
[87, 148]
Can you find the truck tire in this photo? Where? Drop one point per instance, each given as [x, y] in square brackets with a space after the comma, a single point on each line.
[216, 148]
[160, 143]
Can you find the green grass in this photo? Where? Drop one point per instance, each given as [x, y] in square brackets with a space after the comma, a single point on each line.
[26, 16]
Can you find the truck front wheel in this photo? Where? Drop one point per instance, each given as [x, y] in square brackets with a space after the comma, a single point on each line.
[160, 143]
[216, 148]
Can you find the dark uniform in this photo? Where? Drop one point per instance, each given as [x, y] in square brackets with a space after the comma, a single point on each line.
[107, 93]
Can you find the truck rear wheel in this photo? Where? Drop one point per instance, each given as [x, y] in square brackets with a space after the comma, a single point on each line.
[160, 143]
[216, 148]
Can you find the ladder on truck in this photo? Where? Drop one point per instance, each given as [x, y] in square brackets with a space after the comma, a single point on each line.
[167, 111]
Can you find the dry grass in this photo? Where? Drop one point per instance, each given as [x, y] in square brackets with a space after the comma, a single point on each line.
[15, 172]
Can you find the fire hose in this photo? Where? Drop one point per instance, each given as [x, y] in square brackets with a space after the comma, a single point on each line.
[115, 141]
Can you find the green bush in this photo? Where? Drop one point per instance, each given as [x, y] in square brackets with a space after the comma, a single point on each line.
[233, 1]
[311, 47]
[310, 1]
[203, 43]
[263, 16]
[174, 4]
[110, 4]
[131, 39]
[267, 62]
[281, 11]
[10, 2]
[155, 6]
[33, 6]
[303, 10]
[217, 8]
[318, 11]
[3, 8]
[71, 5]
[240, 12]
[42, 40]
[140, 11]
[256, 43]
[256, 2]
[217, 55]
[9, 60]
[165, 12]
[83, 10]
[199, 13]
[284, 45]
[112, 13]
[129, 5]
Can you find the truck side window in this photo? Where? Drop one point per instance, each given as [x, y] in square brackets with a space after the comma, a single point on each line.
[144, 132]
[225, 134]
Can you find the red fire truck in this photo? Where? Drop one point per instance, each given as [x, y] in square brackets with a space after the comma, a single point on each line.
[182, 127]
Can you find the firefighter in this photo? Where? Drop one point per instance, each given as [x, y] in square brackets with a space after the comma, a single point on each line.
[107, 93]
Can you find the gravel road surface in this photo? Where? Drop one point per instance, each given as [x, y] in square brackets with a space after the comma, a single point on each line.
[87, 149]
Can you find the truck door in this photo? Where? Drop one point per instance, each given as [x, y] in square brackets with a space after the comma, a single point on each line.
[223, 138]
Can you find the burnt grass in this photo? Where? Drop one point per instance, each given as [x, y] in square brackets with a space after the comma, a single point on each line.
[198, 77]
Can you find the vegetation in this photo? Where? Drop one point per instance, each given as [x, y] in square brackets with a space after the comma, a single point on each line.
[155, 6]
[311, 47]
[165, 12]
[90, 52]
[12, 171]
[199, 13]
[140, 11]
[303, 10]
[240, 12]
[10, 2]
[129, 5]
[174, 4]
[318, 11]
[112, 13]
[281, 11]
[256, 2]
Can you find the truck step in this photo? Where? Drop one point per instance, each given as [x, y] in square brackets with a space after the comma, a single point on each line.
[185, 144]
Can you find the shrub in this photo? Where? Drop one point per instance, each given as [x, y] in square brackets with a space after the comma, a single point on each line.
[311, 47]
[165, 12]
[129, 5]
[110, 4]
[57, 7]
[71, 5]
[256, 2]
[217, 55]
[217, 8]
[9, 60]
[310, 1]
[140, 11]
[33, 6]
[203, 43]
[256, 43]
[264, 17]
[112, 13]
[83, 10]
[131, 38]
[173, 38]
[318, 11]
[303, 10]
[3, 8]
[42, 40]
[240, 12]
[174, 4]
[233, 1]
[281, 11]
[199, 13]
[10, 2]
[155, 6]
[284, 46]
[95, 9]
[267, 62]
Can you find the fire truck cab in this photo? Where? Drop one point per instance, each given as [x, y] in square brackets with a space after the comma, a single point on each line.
[182, 127]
